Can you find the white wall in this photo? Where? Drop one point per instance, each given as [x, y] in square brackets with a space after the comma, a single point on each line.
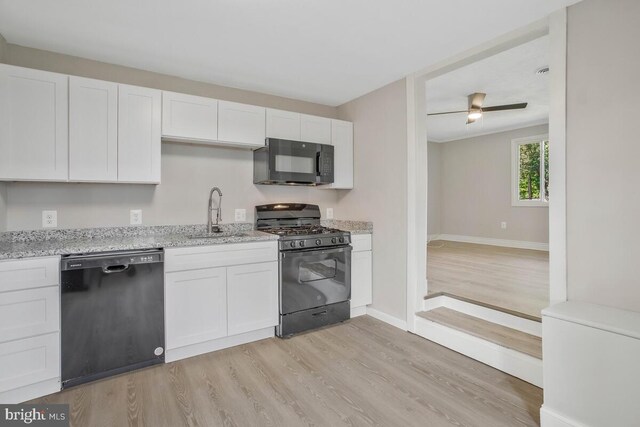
[434, 194]
[475, 190]
[603, 153]
[188, 171]
[380, 188]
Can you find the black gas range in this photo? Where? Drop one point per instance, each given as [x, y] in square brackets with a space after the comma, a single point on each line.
[315, 267]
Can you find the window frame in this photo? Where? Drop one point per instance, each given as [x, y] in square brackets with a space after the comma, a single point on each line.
[515, 171]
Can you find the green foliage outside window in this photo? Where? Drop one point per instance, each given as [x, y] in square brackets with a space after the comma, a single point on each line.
[530, 185]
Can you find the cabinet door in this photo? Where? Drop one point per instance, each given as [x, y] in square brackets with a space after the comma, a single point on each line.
[93, 130]
[34, 125]
[361, 292]
[138, 134]
[189, 118]
[29, 361]
[29, 312]
[241, 124]
[315, 129]
[283, 124]
[252, 290]
[342, 140]
[196, 306]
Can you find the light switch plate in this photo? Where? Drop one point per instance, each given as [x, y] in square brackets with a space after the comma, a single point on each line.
[49, 219]
[241, 215]
[329, 213]
[135, 217]
[503, 225]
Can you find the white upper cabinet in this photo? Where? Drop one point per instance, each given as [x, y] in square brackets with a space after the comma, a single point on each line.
[342, 141]
[241, 124]
[34, 125]
[139, 134]
[315, 129]
[93, 130]
[283, 124]
[189, 118]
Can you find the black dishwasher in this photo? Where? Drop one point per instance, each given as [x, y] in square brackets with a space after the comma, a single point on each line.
[112, 307]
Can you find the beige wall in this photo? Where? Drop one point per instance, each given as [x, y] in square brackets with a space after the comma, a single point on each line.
[475, 192]
[188, 171]
[434, 196]
[603, 200]
[3, 187]
[380, 193]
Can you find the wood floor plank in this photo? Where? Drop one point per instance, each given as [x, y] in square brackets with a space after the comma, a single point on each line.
[492, 332]
[359, 373]
[514, 279]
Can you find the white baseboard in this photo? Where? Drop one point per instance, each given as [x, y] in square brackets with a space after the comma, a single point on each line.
[214, 345]
[490, 315]
[551, 418]
[510, 361]
[386, 318]
[520, 244]
[358, 311]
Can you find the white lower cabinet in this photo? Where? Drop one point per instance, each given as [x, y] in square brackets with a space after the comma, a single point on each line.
[252, 297]
[219, 296]
[361, 271]
[29, 328]
[196, 306]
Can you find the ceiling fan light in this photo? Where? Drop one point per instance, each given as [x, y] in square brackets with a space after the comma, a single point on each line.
[474, 114]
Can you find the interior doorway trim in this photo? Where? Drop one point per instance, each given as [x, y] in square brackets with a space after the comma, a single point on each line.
[555, 26]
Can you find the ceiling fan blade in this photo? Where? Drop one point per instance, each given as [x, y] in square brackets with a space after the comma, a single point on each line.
[447, 112]
[505, 107]
[476, 100]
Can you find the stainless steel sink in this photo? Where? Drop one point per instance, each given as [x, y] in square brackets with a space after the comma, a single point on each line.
[215, 235]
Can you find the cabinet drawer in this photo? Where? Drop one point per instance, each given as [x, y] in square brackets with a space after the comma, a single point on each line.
[30, 312]
[29, 361]
[29, 273]
[180, 259]
[361, 242]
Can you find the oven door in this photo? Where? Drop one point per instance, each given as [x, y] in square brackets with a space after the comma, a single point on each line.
[314, 278]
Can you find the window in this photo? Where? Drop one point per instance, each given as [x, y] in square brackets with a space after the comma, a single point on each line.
[530, 171]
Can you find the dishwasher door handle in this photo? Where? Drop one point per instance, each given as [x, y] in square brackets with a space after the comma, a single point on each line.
[112, 269]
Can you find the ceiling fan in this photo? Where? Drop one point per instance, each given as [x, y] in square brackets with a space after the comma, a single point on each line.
[475, 110]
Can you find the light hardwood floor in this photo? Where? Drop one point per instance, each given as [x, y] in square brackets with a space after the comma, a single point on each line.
[516, 280]
[362, 372]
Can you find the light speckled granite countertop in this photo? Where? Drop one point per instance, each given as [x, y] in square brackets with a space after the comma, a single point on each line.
[22, 244]
[354, 227]
[37, 243]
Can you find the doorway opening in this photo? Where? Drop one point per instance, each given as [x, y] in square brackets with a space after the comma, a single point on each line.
[488, 181]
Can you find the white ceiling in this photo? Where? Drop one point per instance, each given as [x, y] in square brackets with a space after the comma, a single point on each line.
[507, 78]
[326, 51]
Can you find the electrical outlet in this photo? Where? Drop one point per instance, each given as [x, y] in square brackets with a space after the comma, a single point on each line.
[503, 225]
[329, 213]
[241, 215]
[49, 219]
[135, 217]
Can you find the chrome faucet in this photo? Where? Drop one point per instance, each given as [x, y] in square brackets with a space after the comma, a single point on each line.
[214, 228]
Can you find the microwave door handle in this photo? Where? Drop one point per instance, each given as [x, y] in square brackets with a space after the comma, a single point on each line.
[318, 154]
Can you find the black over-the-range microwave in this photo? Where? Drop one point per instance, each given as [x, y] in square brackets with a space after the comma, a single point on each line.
[286, 162]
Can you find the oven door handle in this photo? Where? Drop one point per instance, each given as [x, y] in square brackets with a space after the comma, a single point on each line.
[300, 253]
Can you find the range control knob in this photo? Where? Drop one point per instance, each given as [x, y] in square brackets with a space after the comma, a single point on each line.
[292, 244]
[342, 240]
[301, 244]
[334, 240]
[318, 242]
